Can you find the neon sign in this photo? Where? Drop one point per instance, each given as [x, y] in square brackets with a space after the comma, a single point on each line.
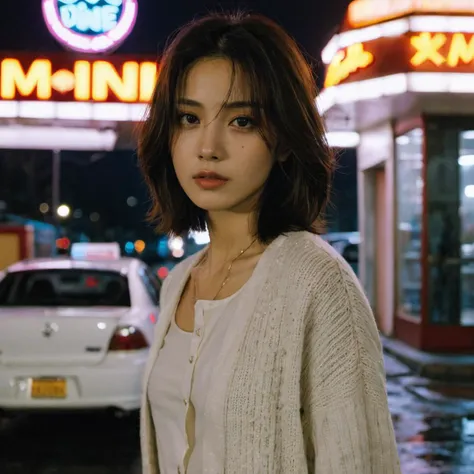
[367, 12]
[421, 52]
[429, 46]
[91, 26]
[98, 81]
[346, 63]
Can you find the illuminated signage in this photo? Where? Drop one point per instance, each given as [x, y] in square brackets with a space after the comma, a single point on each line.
[81, 80]
[367, 12]
[91, 26]
[429, 46]
[421, 52]
[346, 63]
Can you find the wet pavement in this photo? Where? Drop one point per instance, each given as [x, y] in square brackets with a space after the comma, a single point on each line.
[434, 426]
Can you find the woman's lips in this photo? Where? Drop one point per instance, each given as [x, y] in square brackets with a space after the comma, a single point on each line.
[209, 180]
[210, 183]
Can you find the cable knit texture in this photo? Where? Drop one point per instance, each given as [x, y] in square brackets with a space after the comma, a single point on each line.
[301, 387]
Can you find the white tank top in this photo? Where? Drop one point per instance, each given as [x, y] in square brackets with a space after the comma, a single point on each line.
[179, 385]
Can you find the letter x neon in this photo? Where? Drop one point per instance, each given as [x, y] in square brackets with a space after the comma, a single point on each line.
[427, 48]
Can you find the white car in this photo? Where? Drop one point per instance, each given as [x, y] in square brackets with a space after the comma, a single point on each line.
[75, 332]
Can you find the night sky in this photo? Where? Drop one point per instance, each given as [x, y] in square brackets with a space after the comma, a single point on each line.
[311, 22]
[104, 185]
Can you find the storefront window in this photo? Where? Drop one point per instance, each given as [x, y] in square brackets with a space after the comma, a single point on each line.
[409, 159]
[450, 205]
[466, 179]
[445, 198]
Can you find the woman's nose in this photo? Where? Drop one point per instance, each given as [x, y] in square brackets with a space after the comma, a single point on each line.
[210, 146]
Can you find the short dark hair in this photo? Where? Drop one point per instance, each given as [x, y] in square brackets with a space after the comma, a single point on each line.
[282, 83]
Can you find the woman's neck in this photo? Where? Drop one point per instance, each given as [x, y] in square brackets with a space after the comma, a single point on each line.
[230, 233]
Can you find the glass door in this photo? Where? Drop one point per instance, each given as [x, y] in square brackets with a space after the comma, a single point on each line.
[466, 172]
[450, 208]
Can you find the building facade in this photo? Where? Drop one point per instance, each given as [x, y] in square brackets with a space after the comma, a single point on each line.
[400, 77]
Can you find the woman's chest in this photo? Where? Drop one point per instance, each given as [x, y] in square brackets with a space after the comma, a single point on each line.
[240, 377]
[186, 367]
[249, 344]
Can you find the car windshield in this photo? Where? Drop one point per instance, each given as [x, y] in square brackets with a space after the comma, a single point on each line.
[60, 287]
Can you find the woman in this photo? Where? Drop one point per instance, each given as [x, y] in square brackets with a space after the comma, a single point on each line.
[266, 358]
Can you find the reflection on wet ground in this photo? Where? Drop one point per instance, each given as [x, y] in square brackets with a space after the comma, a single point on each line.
[435, 433]
[434, 425]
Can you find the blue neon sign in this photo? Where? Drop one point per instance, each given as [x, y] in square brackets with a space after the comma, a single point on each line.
[90, 25]
[90, 17]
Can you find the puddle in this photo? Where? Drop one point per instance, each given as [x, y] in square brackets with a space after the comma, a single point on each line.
[437, 458]
[433, 438]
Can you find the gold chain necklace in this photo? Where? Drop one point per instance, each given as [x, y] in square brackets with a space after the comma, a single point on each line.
[227, 276]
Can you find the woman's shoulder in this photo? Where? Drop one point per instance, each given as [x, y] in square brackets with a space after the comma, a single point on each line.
[312, 266]
[321, 276]
[309, 256]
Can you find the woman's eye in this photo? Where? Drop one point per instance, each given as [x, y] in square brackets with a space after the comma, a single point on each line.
[188, 119]
[243, 122]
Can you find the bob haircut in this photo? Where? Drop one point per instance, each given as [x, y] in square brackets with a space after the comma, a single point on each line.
[282, 87]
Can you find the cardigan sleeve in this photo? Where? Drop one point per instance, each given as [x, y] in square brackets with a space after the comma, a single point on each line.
[345, 411]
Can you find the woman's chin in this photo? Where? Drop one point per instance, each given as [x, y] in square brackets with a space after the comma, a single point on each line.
[217, 202]
[212, 207]
[212, 203]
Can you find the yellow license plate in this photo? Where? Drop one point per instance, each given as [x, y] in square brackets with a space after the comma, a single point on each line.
[48, 388]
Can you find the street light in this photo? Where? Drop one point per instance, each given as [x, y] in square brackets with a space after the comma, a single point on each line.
[63, 211]
[132, 201]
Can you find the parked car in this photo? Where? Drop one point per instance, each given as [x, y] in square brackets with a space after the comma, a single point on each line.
[347, 244]
[75, 332]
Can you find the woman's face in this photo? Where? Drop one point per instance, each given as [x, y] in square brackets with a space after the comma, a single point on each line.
[227, 142]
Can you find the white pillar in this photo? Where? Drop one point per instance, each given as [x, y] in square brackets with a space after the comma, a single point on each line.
[376, 151]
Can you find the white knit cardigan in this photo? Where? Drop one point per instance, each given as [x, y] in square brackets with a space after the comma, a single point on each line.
[301, 385]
